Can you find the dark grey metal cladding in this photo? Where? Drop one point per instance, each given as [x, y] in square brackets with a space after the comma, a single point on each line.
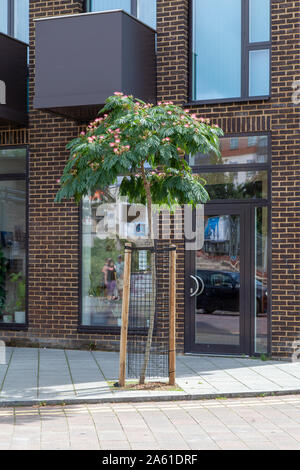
[138, 60]
[82, 59]
[13, 81]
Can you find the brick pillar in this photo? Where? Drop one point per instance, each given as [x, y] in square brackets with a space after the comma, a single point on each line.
[53, 228]
[172, 84]
[285, 178]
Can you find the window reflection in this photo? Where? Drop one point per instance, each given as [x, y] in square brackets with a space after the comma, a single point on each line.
[237, 185]
[3, 16]
[101, 264]
[217, 319]
[261, 279]
[145, 10]
[102, 5]
[12, 251]
[259, 65]
[236, 150]
[216, 49]
[103, 259]
[12, 161]
[21, 20]
[259, 20]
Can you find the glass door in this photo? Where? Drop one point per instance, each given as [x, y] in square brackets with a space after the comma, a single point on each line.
[216, 280]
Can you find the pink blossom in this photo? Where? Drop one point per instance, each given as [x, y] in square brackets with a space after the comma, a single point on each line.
[82, 133]
[112, 144]
[118, 93]
[118, 141]
[116, 150]
[169, 112]
[58, 181]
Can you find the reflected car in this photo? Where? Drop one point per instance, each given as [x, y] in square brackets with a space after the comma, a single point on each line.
[221, 291]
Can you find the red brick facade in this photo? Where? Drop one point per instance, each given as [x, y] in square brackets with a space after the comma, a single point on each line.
[53, 228]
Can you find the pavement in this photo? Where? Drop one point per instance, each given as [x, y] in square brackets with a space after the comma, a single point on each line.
[51, 376]
[260, 423]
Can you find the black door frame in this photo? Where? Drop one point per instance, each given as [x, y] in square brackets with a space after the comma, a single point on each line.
[245, 209]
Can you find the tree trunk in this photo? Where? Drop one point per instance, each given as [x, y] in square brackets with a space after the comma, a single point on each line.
[153, 276]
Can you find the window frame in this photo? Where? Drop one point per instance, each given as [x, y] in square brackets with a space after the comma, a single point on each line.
[236, 167]
[246, 47]
[23, 177]
[96, 329]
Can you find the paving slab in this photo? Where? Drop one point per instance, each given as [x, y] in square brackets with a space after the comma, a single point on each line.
[52, 376]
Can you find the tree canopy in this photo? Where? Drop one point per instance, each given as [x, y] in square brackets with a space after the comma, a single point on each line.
[144, 143]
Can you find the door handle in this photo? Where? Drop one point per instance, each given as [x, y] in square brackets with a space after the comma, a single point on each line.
[201, 289]
[193, 293]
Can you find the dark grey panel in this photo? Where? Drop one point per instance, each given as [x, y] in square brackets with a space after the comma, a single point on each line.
[138, 60]
[13, 81]
[82, 59]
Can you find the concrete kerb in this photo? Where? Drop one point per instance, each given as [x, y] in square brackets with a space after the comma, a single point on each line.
[146, 398]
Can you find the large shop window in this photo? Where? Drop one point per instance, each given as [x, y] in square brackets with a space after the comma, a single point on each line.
[13, 245]
[14, 18]
[230, 49]
[144, 10]
[105, 230]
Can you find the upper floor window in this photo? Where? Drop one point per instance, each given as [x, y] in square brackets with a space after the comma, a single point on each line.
[231, 49]
[144, 10]
[3, 16]
[14, 18]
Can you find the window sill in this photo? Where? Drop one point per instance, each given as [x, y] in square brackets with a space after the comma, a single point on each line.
[228, 100]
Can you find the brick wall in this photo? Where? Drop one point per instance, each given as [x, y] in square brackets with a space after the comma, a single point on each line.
[53, 247]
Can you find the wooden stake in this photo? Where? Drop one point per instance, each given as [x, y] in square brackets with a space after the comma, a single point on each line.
[172, 318]
[125, 312]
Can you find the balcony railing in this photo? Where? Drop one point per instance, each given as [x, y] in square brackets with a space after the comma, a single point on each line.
[13, 81]
[82, 59]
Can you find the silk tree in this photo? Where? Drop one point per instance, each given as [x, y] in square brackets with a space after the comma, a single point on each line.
[146, 144]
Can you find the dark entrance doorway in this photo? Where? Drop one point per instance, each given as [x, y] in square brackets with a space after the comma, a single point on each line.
[226, 282]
